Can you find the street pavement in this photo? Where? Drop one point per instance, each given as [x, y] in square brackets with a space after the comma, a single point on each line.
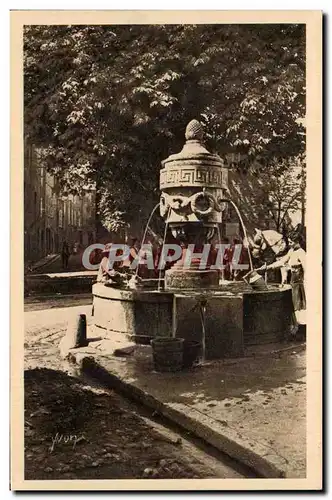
[44, 330]
[74, 429]
[56, 301]
[55, 265]
[258, 402]
[252, 408]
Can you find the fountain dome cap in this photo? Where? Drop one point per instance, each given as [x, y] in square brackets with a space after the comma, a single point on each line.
[194, 131]
[194, 149]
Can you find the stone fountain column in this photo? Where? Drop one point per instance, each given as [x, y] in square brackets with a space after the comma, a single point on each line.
[193, 306]
[192, 183]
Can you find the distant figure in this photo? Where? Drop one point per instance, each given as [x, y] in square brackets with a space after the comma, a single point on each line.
[96, 256]
[65, 255]
[104, 273]
[226, 272]
[133, 253]
[159, 254]
[134, 249]
[241, 259]
[148, 256]
[76, 248]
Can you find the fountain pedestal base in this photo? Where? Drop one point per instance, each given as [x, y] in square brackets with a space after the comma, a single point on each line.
[233, 320]
[179, 279]
[223, 321]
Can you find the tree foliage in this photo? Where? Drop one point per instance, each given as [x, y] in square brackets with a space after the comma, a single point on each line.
[281, 193]
[108, 103]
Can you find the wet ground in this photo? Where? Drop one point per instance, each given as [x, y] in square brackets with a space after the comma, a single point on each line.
[75, 429]
[46, 302]
[258, 402]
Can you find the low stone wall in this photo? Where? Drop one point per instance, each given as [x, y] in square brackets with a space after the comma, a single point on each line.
[138, 314]
[48, 284]
[267, 316]
[232, 320]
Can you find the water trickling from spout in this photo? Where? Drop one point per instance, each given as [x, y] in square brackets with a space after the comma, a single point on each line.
[146, 230]
[202, 311]
[219, 241]
[164, 239]
[243, 229]
[148, 223]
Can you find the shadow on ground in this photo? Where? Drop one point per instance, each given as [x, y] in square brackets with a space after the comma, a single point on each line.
[77, 431]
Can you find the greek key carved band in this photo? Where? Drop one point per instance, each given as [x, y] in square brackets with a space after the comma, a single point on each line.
[193, 176]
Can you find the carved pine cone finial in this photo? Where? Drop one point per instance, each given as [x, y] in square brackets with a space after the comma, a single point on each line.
[194, 131]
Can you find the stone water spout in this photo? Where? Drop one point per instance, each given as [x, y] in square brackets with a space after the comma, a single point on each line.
[193, 183]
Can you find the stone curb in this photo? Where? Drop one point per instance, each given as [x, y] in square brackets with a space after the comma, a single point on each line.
[44, 284]
[262, 460]
[37, 266]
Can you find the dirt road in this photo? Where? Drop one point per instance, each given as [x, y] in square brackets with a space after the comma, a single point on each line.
[77, 430]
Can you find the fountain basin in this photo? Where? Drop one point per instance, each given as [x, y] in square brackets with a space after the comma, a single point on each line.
[234, 316]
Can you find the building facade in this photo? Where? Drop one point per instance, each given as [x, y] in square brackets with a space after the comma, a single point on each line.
[50, 218]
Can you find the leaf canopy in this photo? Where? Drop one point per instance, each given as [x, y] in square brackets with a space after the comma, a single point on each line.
[107, 103]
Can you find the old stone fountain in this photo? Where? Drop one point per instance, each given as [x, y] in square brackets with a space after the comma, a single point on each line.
[193, 187]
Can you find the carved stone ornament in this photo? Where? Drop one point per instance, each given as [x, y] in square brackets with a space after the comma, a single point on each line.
[192, 181]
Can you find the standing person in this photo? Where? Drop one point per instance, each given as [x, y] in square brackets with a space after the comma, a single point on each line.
[65, 255]
[134, 249]
[147, 257]
[133, 253]
[104, 271]
[240, 259]
[295, 260]
[224, 266]
[225, 272]
[76, 248]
